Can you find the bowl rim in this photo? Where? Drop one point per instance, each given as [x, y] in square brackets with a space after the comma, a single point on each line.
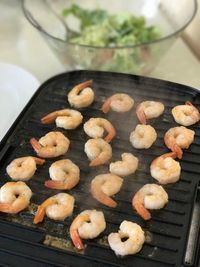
[35, 25]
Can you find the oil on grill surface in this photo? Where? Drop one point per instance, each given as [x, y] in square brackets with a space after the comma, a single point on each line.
[167, 230]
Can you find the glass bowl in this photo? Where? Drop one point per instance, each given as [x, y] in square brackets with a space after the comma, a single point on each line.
[171, 17]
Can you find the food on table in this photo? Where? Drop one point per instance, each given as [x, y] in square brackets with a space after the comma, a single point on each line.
[126, 166]
[118, 103]
[165, 169]
[64, 118]
[179, 138]
[143, 136]
[64, 174]
[98, 151]
[22, 169]
[150, 196]
[57, 207]
[87, 225]
[104, 186]
[186, 115]
[81, 95]
[134, 239]
[53, 144]
[14, 197]
[96, 128]
[149, 110]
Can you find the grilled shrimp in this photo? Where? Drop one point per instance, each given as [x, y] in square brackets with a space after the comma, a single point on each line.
[179, 138]
[65, 118]
[87, 225]
[150, 196]
[57, 207]
[98, 151]
[134, 242]
[118, 103]
[64, 174]
[53, 144]
[105, 185]
[81, 95]
[14, 197]
[186, 115]
[23, 168]
[126, 166]
[96, 127]
[143, 136]
[165, 169]
[149, 110]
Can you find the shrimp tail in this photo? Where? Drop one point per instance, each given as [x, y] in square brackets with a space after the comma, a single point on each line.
[35, 144]
[39, 161]
[54, 184]
[106, 105]
[102, 197]
[39, 216]
[178, 151]
[49, 118]
[141, 210]
[76, 239]
[96, 162]
[141, 115]
[108, 138]
[83, 85]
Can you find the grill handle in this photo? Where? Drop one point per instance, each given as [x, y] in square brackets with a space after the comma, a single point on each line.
[194, 231]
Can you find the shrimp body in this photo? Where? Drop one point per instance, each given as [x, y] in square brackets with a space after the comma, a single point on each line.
[22, 169]
[53, 144]
[165, 169]
[57, 207]
[105, 185]
[118, 103]
[64, 174]
[87, 225]
[179, 138]
[98, 151]
[96, 127]
[149, 110]
[65, 118]
[14, 197]
[150, 196]
[81, 95]
[127, 166]
[186, 115]
[143, 136]
[135, 239]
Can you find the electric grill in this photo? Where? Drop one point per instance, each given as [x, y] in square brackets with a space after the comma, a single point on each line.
[172, 233]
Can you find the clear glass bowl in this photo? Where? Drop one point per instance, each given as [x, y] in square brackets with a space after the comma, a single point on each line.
[171, 16]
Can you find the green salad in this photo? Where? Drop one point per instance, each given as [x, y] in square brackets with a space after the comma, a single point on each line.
[98, 28]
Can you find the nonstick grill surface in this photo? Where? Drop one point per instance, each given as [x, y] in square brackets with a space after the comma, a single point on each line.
[24, 244]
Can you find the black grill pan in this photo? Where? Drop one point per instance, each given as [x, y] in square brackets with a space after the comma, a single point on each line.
[48, 243]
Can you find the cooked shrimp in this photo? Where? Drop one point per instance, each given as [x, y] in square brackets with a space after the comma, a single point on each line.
[165, 169]
[14, 197]
[105, 185]
[57, 207]
[53, 144]
[150, 196]
[149, 110]
[186, 115]
[143, 136]
[81, 95]
[179, 138]
[126, 166]
[87, 225]
[118, 103]
[23, 168]
[133, 244]
[95, 128]
[98, 151]
[65, 118]
[64, 174]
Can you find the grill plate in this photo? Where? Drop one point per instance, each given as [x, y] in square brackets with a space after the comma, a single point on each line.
[23, 242]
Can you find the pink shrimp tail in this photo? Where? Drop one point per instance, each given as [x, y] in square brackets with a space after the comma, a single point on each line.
[49, 118]
[106, 105]
[54, 184]
[83, 85]
[141, 115]
[39, 216]
[141, 210]
[35, 144]
[102, 197]
[76, 239]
